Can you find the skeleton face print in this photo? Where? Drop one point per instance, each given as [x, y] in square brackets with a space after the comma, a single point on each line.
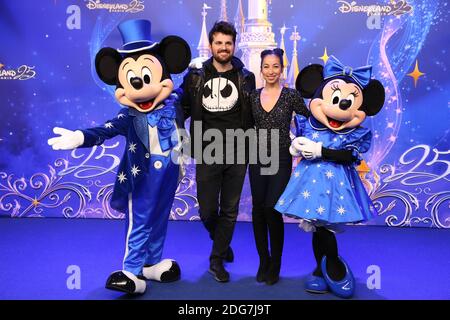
[219, 94]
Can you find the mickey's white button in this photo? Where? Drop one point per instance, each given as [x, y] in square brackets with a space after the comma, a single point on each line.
[147, 155]
[157, 164]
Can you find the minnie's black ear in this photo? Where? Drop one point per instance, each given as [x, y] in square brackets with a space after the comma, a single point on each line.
[373, 96]
[175, 52]
[309, 79]
[107, 62]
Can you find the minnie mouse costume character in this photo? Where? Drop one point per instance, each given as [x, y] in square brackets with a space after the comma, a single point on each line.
[149, 170]
[325, 189]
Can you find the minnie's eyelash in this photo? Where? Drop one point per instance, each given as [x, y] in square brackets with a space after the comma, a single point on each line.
[335, 87]
[355, 93]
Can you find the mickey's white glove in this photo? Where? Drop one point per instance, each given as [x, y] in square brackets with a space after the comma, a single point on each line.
[197, 63]
[67, 140]
[309, 149]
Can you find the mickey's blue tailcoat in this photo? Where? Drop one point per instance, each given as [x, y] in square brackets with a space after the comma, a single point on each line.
[146, 180]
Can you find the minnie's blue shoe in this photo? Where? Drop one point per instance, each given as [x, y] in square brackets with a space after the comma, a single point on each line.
[316, 284]
[344, 288]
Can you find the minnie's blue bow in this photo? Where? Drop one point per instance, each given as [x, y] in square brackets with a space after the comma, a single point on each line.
[334, 67]
[163, 119]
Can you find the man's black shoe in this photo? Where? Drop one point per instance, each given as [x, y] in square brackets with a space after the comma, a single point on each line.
[219, 272]
[230, 255]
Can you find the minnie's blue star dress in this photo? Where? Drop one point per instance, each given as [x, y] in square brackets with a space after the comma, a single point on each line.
[324, 193]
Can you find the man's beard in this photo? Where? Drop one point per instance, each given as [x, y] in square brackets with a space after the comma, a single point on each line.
[221, 60]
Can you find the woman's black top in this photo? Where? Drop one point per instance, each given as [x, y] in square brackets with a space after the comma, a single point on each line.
[279, 117]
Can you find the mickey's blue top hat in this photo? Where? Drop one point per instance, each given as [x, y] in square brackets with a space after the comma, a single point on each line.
[136, 35]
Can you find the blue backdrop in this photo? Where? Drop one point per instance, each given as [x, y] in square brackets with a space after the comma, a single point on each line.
[47, 79]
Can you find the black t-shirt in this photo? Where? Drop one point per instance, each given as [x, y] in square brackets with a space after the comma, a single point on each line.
[221, 105]
[221, 101]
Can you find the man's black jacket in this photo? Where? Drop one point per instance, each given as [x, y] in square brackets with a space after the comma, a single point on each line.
[192, 93]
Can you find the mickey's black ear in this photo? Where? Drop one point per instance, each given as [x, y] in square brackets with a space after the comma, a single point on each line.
[373, 96]
[175, 52]
[309, 79]
[107, 62]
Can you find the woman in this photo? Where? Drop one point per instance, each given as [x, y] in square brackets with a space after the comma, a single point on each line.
[272, 108]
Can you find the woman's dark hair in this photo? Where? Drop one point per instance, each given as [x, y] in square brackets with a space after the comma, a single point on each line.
[277, 51]
[222, 27]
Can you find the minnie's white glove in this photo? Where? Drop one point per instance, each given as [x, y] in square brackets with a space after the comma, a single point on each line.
[294, 151]
[67, 140]
[197, 63]
[309, 149]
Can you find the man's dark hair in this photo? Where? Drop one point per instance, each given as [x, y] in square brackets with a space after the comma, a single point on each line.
[222, 27]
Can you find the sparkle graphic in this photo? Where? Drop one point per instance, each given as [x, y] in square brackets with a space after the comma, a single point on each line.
[297, 174]
[122, 177]
[281, 202]
[328, 192]
[135, 170]
[341, 210]
[120, 115]
[315, 135]
[314, 181]
[35, 202]
[341, 184]
[325, 56]
[108, 125]
[329, 174]
[132, 147]
[306, 194]
[416, 74]
[320, 210]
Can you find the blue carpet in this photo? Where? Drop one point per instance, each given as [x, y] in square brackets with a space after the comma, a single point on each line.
[35, 255]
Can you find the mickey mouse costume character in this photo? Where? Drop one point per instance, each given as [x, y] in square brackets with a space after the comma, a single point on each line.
[325, 189]
[149, 169]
